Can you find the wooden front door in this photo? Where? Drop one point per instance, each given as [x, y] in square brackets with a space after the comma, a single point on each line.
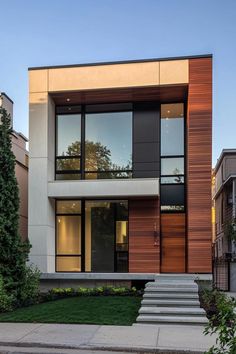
[173, 258]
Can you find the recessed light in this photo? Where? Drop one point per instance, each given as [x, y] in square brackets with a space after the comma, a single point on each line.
[68, 99]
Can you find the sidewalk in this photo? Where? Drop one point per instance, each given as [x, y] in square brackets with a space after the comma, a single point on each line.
[136, 338]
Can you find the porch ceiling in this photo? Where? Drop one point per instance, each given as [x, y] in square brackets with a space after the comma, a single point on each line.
[167, 93]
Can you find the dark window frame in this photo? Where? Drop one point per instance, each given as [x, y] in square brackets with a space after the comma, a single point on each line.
[175, 156]
[83, 235]
[82, 110]
[66, 157]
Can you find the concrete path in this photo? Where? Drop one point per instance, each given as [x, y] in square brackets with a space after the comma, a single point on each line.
[30, 350]
[137, 338]
[231, 294]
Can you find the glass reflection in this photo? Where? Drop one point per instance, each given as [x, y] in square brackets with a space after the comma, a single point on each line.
[172, 129]
[68, 134]
[106, 236]
[172, 166]
[68, 207]
[68, 234]
[108, 141]
[172, 180]
[68, 264]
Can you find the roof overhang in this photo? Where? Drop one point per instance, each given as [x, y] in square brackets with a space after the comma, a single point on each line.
[228, 180]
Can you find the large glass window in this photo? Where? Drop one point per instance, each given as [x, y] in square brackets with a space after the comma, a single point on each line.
[94, 141]
[68, 147]
[106, 236]
[108, 144]
[172, 157]
[172, 129]
[68, 236]
[92, 236]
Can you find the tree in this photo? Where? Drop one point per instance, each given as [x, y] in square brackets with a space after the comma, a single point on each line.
[13, 251]
[97, 158]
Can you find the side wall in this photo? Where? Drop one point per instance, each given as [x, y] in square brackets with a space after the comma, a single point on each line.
[144, 236]
[22, 179]
[199, 149]
[41, 170]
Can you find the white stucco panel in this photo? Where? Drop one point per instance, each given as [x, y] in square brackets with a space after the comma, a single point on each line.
[146, 187]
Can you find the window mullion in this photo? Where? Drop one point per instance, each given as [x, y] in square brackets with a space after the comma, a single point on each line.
[83, 142]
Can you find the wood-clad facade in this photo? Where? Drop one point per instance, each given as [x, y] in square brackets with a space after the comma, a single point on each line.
[151, 205]
[173, 243]
[199, 152]
[144, 236]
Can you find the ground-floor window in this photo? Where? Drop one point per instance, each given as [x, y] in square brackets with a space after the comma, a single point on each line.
[92, 236]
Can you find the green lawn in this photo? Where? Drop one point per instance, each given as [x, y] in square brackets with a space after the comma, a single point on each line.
[106, 310]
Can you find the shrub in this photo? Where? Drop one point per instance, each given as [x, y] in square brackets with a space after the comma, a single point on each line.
[98, 291]
[210, 299]
[29, 292]
[14, 252]
[6, 301]
[222, 323]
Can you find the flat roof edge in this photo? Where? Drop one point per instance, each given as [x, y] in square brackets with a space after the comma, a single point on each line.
[223, 153]
[4, 94]
[121, 62]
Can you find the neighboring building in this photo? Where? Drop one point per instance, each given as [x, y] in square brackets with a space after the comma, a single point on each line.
[21, 168]
[120, 168]
[225, 216]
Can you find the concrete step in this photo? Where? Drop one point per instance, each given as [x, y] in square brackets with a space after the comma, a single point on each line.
[163, 295]
[157, 319]
[170, 290]
[175, 277]
[190, 285]
[175, 311]
[171, 302]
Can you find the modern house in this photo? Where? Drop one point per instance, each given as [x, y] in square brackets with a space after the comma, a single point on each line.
[120, 168]
[21, 168]
[225, 220]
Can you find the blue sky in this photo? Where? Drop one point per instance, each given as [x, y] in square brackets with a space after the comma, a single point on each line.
[53, 32]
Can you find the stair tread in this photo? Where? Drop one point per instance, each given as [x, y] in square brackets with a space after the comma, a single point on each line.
[167, 295]
[173, 301]
[189, 310]
[164, 289]
[172, 319]
[173, 283]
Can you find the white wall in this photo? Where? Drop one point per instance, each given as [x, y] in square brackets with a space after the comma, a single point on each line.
[41, 166]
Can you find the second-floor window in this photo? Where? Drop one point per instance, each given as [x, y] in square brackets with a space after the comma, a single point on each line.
[172, 157]
[94, 142]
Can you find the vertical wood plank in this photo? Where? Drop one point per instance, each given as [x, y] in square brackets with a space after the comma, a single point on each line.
[199, 154]
[144, 254]
[173, 243]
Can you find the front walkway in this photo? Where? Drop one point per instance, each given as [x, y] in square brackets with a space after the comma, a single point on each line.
[231, 294]
[189, 339]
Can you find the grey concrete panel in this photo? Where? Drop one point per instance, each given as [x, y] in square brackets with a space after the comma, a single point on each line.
[145, 152]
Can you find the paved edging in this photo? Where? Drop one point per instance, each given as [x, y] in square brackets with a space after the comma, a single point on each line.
[177, 339]
[141, 350]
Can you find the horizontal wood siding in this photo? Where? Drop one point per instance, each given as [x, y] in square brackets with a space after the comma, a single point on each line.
[173, 243]
[199, 150]
[144, 244]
